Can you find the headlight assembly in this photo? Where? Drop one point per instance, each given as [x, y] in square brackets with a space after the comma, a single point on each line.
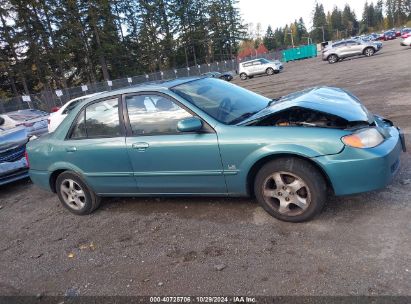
[368, 138]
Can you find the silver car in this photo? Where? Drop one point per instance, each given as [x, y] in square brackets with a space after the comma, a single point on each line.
[259, 66]
[35, 121]
[348, 48]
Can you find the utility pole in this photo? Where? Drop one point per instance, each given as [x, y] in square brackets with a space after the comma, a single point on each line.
[292, 38]
[322, 27]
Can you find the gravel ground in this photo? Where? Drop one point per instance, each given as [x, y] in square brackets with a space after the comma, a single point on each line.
[359, 245]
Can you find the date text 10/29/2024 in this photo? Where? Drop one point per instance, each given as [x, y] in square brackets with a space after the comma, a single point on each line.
[200, 299]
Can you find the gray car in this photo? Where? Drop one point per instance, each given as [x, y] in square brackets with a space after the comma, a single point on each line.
[35, 121]
[348, 48]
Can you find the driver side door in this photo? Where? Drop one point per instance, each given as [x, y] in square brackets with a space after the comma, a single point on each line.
[164, 160]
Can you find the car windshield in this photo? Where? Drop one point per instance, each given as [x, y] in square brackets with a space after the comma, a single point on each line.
[225, 102]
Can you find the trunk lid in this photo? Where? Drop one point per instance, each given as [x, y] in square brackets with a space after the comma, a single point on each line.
[12, 138]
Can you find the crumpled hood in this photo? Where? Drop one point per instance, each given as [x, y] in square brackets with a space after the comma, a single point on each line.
[12, 138]
[329, 100]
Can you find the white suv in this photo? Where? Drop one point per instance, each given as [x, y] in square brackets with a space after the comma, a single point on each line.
[259, 66]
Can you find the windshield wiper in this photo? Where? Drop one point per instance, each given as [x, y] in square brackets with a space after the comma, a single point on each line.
[272, 101]
[242, 117]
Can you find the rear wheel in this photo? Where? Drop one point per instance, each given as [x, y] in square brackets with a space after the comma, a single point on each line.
[290, 189]
[269, 71]
[75, 195]
[332, 59]
[369, 52]
[243, 76]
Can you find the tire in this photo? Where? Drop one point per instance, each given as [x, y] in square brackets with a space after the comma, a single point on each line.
[369, 51]
[243, 76]
[269, 71]
[332, 59]
[301, 193]
[75, 195]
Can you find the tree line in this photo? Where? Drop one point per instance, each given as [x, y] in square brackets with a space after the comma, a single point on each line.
[335, 24]
[48, 44]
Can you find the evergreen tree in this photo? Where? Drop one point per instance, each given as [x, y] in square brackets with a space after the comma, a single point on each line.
[269, 39]
[320, 26]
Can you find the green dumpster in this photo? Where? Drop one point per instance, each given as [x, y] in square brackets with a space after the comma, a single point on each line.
[300, 52]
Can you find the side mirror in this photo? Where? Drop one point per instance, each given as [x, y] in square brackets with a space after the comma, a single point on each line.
[192, 124]
[1, 121]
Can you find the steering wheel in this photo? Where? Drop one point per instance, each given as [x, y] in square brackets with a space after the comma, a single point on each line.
[224, 109]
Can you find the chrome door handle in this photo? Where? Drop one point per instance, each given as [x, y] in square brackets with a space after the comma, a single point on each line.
[71, 149]
[141, 146]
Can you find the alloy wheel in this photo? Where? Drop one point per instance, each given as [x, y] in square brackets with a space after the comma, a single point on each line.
[73, 195]
[369, 52]
[286, 193]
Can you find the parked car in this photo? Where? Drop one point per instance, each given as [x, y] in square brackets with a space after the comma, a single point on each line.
[389, 35]
[377, 44]
[249, 69]
[348, 48]
[203, 136]
[58, 116]
[374, 36]
[35, 121]
[13, 161]
[227, 76]
[406, 41]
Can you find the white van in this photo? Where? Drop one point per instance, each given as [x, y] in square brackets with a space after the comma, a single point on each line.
[259, 66]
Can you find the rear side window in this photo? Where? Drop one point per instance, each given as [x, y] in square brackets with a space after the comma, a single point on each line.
[100, 119]
[247, 64]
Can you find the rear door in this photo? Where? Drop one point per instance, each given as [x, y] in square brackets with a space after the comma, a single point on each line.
[353, 48]
[164, 160]
[96, 145]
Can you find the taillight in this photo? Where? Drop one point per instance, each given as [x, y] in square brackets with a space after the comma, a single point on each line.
[27, 159]
[48, 121]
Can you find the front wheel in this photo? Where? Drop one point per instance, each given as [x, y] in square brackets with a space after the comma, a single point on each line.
[290, 189]
[243, 76]
[369, 52]
[75, 195]
[269, 71]
[332, 59]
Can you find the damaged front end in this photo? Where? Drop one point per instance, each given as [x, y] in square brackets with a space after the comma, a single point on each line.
[13, 161]
[323, 107]
[327, 107]
[302, 117]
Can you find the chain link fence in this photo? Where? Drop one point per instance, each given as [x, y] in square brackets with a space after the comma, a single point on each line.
[46, 100]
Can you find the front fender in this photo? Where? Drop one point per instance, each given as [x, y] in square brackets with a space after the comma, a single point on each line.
[278, 149]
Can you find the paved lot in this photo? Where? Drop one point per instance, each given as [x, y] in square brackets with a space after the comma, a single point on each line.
[360, 245]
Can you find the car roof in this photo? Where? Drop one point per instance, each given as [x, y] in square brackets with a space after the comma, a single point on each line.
[256, 59]
[160, 85]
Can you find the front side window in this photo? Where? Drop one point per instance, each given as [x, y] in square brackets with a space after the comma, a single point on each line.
[151, 114]
[100, 119]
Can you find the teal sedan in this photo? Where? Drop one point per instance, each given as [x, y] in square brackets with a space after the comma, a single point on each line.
[206, 137]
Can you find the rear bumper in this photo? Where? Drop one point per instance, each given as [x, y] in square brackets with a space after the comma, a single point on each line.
[362, 170]
[12, 171]
[41, 179]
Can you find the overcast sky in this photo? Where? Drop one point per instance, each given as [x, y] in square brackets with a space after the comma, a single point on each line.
[280, 12]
